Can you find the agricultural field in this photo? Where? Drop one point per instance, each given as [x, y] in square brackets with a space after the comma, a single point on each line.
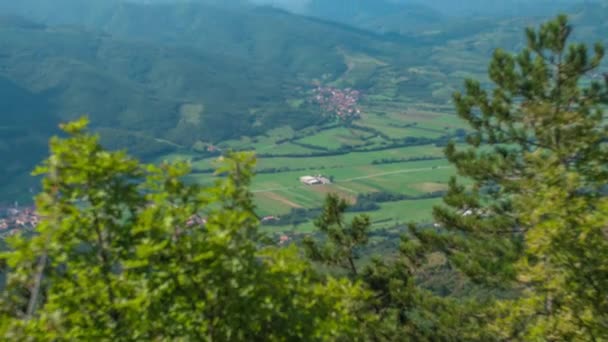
[390, 149]
[394, 145]
[278, 193]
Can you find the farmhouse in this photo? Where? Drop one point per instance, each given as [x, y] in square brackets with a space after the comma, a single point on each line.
[314, 180]
[309, 180]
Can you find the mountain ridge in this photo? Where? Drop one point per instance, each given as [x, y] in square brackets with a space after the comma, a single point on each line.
[140, 91]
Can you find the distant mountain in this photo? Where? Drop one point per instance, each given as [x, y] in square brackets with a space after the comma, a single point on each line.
[497, 8]
[156, 78]
[591, 19]
[378, 15]
[260, 34]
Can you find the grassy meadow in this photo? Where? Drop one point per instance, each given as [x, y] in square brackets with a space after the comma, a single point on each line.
[361, 159]
[396, 147]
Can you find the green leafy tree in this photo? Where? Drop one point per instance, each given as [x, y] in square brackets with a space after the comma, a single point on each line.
[533, 222]
[343, 239]
[398, 309]
[131, 252]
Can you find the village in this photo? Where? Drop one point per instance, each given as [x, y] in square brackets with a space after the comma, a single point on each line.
[14, 219]
[343, 103]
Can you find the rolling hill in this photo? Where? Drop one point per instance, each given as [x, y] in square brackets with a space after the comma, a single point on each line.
[169, 78]
[378, 15]
[150, 80]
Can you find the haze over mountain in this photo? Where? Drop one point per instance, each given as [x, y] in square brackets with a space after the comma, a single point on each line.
[150, 80]
[405, 16]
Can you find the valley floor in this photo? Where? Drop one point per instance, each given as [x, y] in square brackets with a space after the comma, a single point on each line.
[386, 151]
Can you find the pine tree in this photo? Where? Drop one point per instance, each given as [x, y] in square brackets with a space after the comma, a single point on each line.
[398, 309]
[343, 239]
[534, 221]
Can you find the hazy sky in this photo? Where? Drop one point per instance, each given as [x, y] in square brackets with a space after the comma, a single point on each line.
[295, 5]
[454, 7]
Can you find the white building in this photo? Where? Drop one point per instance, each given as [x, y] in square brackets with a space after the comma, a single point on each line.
[314, 180]
[309, 180]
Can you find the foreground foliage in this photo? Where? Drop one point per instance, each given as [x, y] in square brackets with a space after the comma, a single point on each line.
[399, 309]
[120, 255]
[534, 222]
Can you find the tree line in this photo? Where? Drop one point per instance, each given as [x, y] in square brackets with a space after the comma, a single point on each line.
[363, 203]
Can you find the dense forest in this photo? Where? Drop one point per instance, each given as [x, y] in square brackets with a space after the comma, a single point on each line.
[130, 251]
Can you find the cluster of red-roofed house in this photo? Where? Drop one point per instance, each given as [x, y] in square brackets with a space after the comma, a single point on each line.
[344, 103]
[213, 148]
[196, 220]
[15, 219]
[193, 221]
[269, 219]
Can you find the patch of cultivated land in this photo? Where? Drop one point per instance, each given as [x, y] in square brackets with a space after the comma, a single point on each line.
[369, 157]
[336, 138]
[354, 173]
[390, 215]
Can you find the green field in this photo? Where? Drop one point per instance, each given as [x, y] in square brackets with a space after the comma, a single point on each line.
[409, 178]
[278, 193]
[396, 146]
[390, 215]
[336, 138]
[365, 161]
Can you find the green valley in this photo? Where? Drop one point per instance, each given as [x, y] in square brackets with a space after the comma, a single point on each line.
[170, 81]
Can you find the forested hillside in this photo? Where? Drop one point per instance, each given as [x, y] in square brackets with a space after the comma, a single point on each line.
[379, 15]
[499, 8]
[150, 80]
